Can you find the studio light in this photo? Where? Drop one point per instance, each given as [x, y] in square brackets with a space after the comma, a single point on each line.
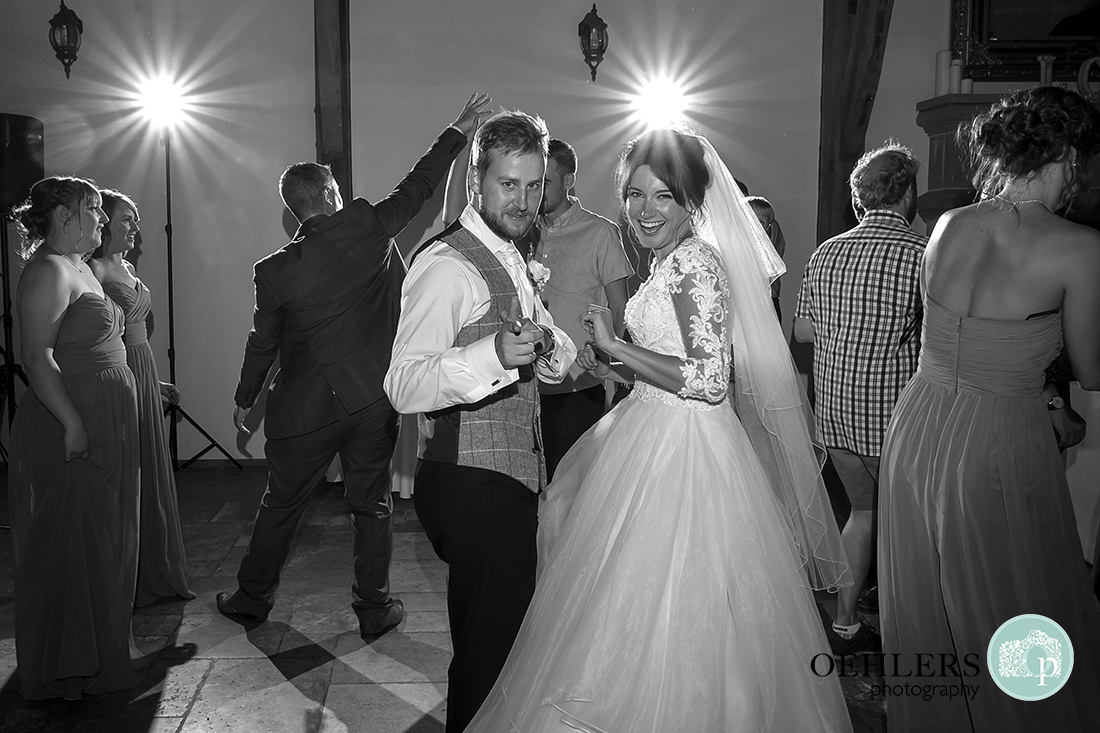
[660, 103]
[164, 104]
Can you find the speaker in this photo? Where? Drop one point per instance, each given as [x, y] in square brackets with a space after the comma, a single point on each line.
[22, 162]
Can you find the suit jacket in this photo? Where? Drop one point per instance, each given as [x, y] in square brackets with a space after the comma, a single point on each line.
[327, 304]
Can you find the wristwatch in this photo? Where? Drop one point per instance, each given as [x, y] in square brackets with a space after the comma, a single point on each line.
[539, 349]
[1056, 403]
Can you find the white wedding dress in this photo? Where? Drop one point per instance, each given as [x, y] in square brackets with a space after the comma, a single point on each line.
[670, 595]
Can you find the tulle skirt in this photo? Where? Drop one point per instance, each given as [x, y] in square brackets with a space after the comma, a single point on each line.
[669, 596]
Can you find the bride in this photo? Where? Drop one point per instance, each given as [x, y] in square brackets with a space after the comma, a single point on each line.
[676, 550]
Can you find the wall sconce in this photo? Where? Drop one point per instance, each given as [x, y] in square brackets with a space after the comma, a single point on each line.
[593, 33]
[65, 31]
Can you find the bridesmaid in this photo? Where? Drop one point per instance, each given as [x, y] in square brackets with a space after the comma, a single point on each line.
[162, 562]
[73, 476]
[976, 525]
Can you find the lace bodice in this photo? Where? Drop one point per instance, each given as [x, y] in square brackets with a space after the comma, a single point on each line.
[681, 310]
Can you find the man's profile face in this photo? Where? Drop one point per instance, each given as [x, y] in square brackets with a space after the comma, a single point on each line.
[510, 192]
[556, 186]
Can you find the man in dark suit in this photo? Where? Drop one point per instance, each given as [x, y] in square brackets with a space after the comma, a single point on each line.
[327, 305]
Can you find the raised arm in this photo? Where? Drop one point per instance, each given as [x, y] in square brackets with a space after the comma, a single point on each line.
[397, 210]
[455, 196]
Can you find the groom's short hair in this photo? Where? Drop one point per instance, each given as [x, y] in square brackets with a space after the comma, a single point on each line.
[506, 133]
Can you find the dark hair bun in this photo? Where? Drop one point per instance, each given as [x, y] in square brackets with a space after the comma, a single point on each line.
[1029, 129]
[33, 216]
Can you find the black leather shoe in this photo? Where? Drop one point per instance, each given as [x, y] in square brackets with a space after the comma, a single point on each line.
[387, 622]
[230, 605]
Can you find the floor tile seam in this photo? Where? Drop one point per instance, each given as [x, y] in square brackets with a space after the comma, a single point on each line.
[198, 690]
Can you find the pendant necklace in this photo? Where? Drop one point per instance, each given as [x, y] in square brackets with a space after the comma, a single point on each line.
[78, 268]
[1025, 201]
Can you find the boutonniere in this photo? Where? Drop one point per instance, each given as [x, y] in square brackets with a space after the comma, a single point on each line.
[540, 274]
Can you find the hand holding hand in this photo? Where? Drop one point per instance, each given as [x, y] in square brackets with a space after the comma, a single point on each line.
[515, 341]
[597, 321]
[474, 113]
[169, 393]
[240, 414]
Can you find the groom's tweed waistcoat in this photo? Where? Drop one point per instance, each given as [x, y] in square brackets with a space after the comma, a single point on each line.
[501, 432]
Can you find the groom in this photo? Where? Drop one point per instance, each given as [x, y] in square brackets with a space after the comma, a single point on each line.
[326, 305]
[472, 343]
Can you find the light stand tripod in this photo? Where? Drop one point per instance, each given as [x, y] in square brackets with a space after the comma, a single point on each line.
[173, 409]
[10, 369]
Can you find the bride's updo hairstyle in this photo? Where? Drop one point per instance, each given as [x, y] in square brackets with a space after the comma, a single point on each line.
[1027, 130]
[33, 216]
[674, 157]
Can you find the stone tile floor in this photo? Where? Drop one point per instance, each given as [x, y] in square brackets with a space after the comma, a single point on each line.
[304, 670]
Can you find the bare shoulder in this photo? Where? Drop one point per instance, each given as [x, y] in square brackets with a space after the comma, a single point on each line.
[40, 272]
[1072, 244]
[44, 282]
[958, 221]
[99, 267]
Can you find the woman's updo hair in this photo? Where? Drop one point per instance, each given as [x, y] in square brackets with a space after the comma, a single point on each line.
[1027, 130]
[111, 200]
[33, 216]
[675, 157]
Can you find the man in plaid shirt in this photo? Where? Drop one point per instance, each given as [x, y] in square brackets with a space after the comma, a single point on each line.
[860, 305]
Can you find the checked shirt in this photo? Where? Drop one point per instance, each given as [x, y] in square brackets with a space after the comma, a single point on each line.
[861, 291]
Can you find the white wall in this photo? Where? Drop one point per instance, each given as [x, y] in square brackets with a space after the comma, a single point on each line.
[918, 29]
[752, 68]
[752, 75]
[251, 64]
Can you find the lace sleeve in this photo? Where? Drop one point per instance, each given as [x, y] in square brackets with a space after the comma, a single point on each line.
[700, 298]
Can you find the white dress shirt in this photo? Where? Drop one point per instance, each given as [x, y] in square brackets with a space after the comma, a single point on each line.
[444, 292]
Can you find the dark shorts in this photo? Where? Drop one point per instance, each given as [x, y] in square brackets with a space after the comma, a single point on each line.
[859, 474]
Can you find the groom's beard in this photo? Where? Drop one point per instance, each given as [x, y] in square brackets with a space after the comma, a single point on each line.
[507, 228]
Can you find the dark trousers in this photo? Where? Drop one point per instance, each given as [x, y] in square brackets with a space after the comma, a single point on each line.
[483, 525]
[565, 418]
[365, 443]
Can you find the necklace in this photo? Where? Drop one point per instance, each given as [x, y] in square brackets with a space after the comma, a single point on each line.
[1025, 201]
[78, 268]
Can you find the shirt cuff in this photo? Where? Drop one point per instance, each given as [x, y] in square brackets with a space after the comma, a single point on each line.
[485, 366]
[553, 366]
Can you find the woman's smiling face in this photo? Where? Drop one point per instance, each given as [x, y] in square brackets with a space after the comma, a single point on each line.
[658, 221]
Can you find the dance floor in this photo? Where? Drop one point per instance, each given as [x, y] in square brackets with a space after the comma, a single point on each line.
[304, 670]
